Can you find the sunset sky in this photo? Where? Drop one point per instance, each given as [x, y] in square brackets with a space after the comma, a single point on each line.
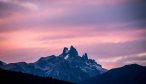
[113, 32]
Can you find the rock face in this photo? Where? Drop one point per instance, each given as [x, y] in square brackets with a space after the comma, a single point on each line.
[73, 52]
[68, 66]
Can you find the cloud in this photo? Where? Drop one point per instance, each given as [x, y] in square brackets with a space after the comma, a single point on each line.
[12, 7]
[80, 15]
[29, 5]
[135, 25]
[108, 50]
[8, 9]
[24, 54]
[131, 12]
[139, 58]
[91, 2]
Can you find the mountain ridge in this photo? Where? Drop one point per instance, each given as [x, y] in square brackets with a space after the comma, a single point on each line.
[68, 66]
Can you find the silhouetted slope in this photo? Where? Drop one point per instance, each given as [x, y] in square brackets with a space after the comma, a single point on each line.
[11, 77]
[129, 74]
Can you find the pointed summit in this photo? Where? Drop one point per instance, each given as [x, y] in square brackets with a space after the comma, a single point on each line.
[64, 52]
[85, 56]
[73, 52]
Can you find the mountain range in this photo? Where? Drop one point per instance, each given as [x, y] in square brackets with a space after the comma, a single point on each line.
[68, 66]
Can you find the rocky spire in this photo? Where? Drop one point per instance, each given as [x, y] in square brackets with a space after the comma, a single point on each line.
[73, 52]
[64, 52]
[85, 56]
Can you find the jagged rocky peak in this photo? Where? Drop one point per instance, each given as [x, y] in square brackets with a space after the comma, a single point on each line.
[73, 52]
[65, 51]
[85, 56]
[69, 53]
[61, 67]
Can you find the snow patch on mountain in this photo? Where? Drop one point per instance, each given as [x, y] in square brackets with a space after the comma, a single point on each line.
[66, 57]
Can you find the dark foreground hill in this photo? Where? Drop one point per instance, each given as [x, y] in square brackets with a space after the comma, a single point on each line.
[11, 77]
[129, 74]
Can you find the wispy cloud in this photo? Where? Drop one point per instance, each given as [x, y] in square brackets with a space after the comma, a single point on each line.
[124, 60]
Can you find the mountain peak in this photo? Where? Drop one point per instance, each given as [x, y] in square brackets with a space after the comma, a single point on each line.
[61, 67]
[69, 53]
[85, 56]
[72, 46]
[132, 66]
[73, 52]
[65, 51]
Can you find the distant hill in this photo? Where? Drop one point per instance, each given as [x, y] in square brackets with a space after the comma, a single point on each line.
[11, 77]
[129, 74]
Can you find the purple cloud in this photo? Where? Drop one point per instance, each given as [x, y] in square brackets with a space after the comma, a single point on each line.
[117, 49]
[8, 9]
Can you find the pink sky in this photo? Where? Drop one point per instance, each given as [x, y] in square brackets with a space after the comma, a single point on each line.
[111, 32]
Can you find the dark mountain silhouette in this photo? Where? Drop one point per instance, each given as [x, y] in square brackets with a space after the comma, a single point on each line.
[2, 63]
[11, 77]
[68, 66]
[129, 74]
